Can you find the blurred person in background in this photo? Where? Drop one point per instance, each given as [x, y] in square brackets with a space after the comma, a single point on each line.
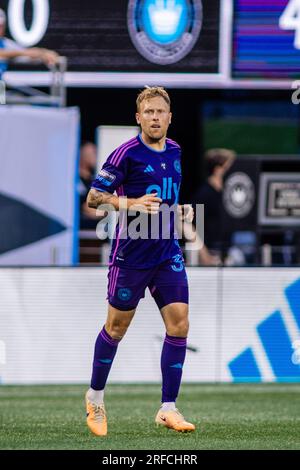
[87, 171]
[217, 163]
[11, 50]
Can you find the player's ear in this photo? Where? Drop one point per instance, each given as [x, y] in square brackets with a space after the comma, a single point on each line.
[137, 117]
[170, 118]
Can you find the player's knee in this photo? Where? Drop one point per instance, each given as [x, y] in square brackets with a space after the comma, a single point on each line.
[117, 330]
[181, 328]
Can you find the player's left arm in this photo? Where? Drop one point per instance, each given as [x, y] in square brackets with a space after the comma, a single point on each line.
[185, 226]
[184, 222]
[190, 233]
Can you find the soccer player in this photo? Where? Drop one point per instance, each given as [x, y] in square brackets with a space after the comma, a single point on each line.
[146, 170]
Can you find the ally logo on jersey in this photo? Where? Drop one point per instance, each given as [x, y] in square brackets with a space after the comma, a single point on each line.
[168, 191]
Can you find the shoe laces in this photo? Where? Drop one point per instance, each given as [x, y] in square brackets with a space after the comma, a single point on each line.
[99, 412]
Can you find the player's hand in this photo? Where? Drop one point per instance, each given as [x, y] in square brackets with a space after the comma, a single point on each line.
[149, 204]
[186, 213]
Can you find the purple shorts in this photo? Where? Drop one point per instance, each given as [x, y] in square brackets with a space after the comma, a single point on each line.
[167, 283]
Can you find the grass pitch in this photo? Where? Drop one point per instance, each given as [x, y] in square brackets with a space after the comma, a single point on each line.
[231, 416]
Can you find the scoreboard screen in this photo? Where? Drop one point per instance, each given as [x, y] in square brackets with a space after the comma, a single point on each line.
[179, 43]
[266, 39]
[177, 38]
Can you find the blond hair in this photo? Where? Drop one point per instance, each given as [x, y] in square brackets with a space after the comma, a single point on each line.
[152, 92]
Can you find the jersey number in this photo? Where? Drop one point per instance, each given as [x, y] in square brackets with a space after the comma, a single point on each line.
[290, 19]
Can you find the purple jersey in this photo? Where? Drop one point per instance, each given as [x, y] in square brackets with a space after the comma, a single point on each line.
[133, 170]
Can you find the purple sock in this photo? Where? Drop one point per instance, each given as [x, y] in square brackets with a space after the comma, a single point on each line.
[172, 360]
[105, 351]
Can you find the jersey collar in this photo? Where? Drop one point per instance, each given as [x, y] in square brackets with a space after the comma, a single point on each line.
[150, 148]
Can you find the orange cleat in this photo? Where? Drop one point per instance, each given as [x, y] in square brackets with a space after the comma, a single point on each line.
[173, 420]
[96, 418]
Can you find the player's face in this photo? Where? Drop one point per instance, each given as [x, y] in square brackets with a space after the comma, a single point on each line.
[154, 117]
[2, 29]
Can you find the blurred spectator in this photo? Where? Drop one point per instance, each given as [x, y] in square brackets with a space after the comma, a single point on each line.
[11, 50]
[217, 162]
[87, 170]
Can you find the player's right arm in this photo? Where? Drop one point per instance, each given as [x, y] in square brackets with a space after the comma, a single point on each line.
[110, 178]
[148, 203]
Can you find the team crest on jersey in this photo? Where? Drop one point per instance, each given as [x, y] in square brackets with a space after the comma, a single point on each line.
[124, 293]
[105, 177]
[163, 165]
[177, 166]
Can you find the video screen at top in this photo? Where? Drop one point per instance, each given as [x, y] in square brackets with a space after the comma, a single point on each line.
[122, 35]
[266, 39]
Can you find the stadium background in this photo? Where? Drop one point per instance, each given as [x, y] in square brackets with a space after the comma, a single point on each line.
[234, 90]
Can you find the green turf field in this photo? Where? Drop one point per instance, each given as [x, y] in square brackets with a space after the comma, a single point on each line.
[231, 416]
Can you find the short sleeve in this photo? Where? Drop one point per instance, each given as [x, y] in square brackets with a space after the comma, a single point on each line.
[110, 177]
[12, 45]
